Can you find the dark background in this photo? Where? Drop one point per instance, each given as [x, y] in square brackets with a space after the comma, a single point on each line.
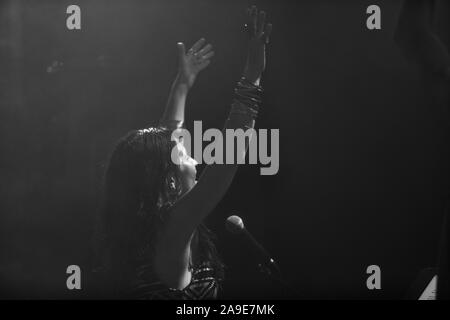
[363, 147]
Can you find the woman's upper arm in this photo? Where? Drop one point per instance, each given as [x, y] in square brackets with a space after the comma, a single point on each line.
[196, 204]
[189, 211]
[173, 247]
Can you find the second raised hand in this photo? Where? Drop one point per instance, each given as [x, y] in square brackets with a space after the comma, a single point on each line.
[259, 33]
[190, 63]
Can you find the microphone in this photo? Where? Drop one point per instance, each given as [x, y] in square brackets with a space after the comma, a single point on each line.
[235, 225]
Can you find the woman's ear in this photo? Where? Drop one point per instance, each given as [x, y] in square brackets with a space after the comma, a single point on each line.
[172, 184]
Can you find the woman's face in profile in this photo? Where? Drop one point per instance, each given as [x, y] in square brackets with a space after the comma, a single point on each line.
[187, 167]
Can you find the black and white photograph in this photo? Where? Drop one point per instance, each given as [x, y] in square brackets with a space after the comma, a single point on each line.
[239, 152]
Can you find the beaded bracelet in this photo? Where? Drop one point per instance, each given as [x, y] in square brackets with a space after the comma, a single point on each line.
[244, 82]
[244, 108]
[248, 93]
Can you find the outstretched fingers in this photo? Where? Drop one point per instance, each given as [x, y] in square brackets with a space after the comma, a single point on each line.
[209, 55]
[197, 46]
[204, 50]
[252, 20]
[267, 32]
[256, 24]
[261, 23]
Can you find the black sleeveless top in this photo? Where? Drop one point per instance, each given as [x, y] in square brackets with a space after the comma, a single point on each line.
[146, 285]
[141, 280]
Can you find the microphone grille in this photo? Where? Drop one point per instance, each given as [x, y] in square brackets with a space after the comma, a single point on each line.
[234, 224]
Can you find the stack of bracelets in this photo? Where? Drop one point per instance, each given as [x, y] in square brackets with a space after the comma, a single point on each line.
[246, 102]
[247, 99]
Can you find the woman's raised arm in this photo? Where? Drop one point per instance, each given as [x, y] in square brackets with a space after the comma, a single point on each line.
[190, 64]
[190, 210]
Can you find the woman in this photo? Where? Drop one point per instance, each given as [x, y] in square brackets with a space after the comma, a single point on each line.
[157, 246]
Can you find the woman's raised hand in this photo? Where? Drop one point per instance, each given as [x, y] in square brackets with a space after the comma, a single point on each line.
[193, 61]
[259, 33]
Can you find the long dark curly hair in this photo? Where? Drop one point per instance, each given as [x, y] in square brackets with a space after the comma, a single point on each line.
[141, 183]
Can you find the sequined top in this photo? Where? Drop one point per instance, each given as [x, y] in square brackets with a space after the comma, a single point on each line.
[203, 286]
[145, 285]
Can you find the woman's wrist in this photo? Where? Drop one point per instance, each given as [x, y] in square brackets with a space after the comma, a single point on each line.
[255, 80]
[182, 82]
